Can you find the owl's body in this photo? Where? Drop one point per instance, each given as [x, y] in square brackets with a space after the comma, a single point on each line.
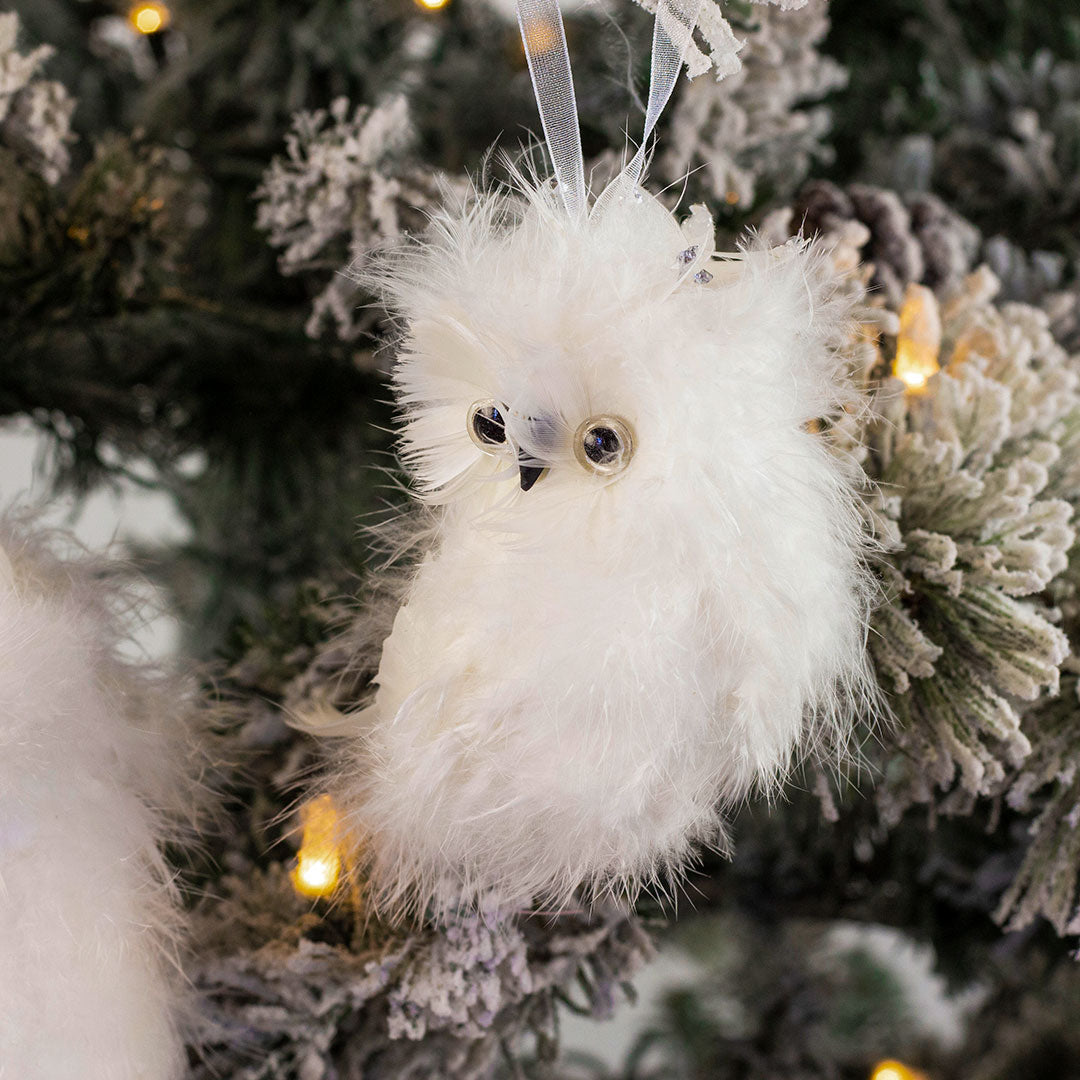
[589, 663]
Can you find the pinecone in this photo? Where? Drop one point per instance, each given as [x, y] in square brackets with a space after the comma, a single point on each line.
[917, 239]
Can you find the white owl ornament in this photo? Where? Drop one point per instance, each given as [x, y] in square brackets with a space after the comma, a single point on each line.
[644, 589]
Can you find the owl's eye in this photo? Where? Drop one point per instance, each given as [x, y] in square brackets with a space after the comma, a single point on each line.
[604, 445]
[487, 428]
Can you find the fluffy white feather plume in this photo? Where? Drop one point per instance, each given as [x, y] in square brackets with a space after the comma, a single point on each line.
[92, 765]
[583, 674]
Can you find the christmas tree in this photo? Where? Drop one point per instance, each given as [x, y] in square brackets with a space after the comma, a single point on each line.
[191, 197]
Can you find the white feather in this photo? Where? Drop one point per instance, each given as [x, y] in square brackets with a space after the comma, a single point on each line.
[583, 675]
[91, 766]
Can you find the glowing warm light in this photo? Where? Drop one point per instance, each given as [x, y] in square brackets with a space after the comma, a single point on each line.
[318, 862]
[149, 17]
[918, 344]
[541, 35]
[432, 5]
[895, 1070]
[316, 876]
[887, 1072]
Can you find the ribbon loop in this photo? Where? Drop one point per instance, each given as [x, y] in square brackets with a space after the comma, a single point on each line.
[672, 33]
[549, 65]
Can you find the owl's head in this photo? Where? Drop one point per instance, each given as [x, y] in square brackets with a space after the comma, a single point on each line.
[544, 357]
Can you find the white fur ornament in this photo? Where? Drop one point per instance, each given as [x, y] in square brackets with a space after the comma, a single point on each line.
[93, 759]
[644, 590]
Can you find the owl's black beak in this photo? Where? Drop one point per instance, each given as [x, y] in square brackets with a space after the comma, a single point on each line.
[529, 470]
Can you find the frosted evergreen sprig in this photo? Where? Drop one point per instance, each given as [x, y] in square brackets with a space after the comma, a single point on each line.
[975, 486]
[1048, 786]
[1048, 882]
[757, 129]
[286, 992]
[965, 476]
[346, 183]
[35, 113]
[977, 482]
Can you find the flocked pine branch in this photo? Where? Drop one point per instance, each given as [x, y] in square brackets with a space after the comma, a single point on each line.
[349, 182]
[285, 994]
[1048, 882]
[35, 113]
[977, 485]
[759, 129]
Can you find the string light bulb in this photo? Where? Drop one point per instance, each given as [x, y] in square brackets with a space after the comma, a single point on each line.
[919, 342]
[432, 5]
[895, 1070]
[149, 17]
[318, 862]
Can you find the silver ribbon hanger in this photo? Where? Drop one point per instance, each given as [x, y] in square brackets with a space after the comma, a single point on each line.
[549, 65]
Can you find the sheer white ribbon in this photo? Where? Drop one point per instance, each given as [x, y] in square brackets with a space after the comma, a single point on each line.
[549, 65]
